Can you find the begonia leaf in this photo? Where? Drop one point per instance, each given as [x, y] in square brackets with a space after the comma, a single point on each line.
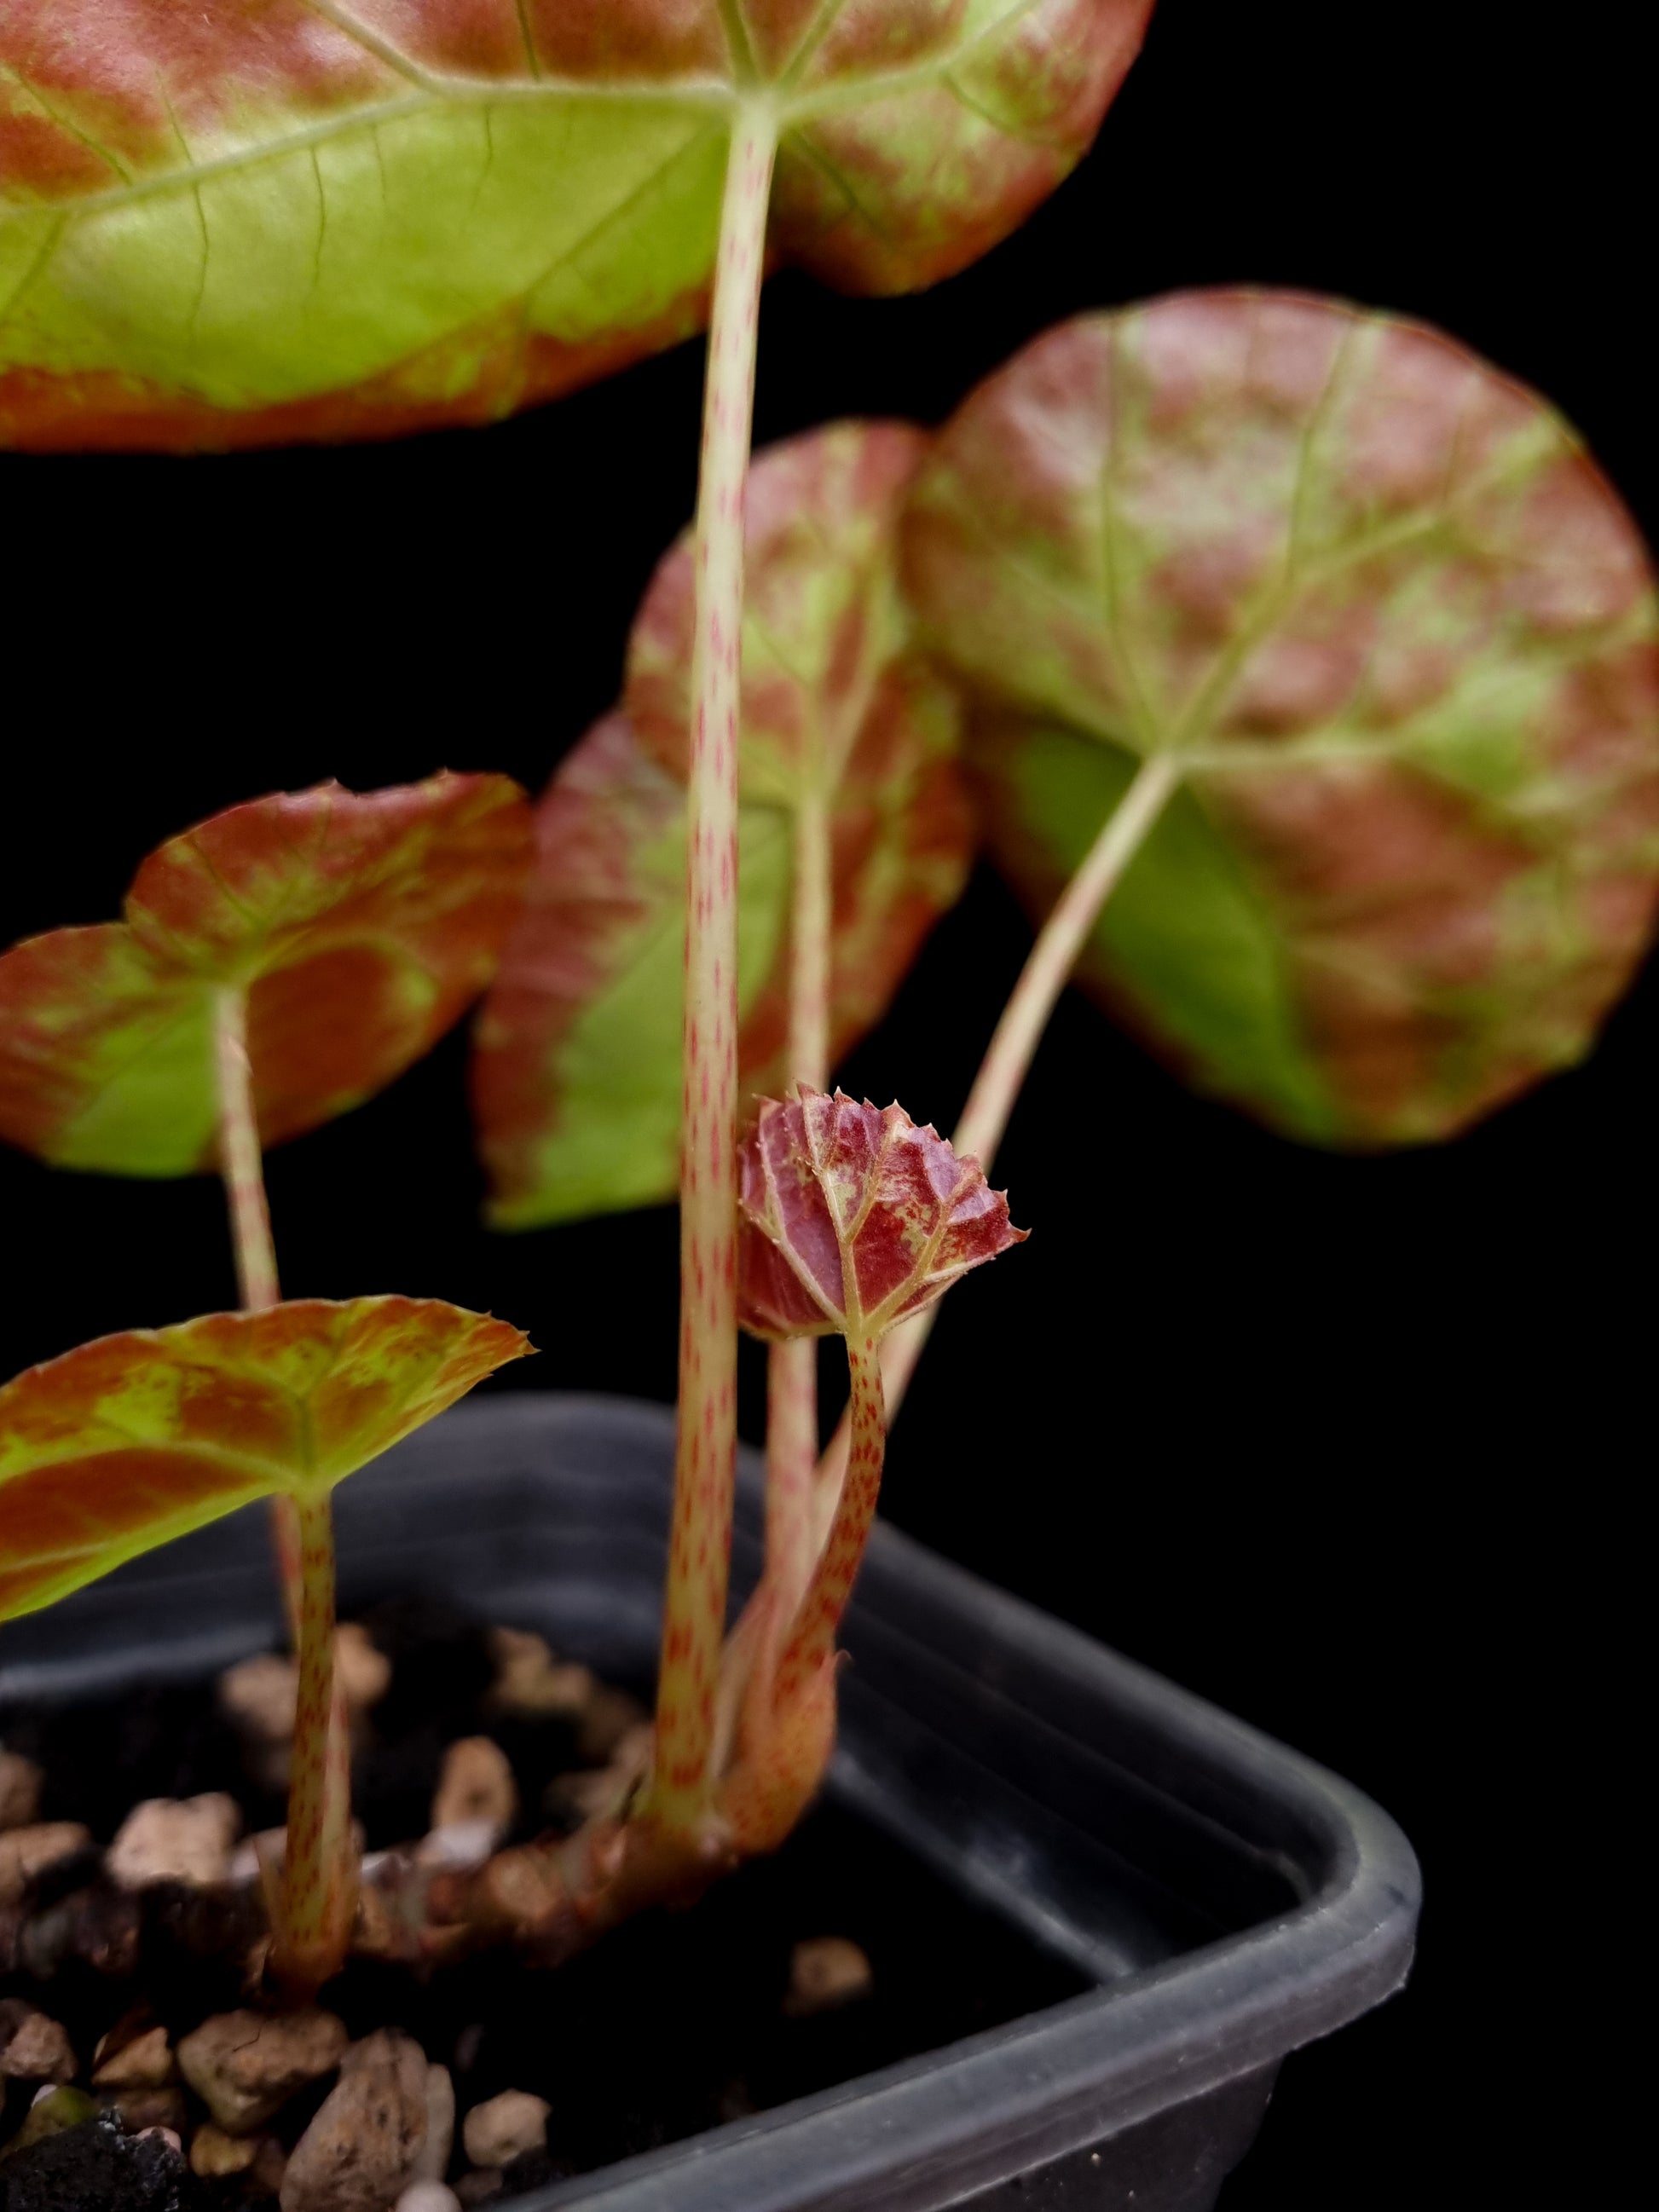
[576, 1070]
[361, 926]
[134, 1439]
[1401, 633]
[853, 1217]
[227, 225]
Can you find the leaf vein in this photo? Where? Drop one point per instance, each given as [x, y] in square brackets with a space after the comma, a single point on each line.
[533, 60]
[828, 14]
[65, 124]
[37, 268]
[695, 95]
[852, 91]
[382, 49]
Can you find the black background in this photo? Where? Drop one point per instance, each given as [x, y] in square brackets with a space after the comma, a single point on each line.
[1346, 1445]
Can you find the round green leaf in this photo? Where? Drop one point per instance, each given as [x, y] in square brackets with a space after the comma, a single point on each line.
[224, 224]
[1403, 636]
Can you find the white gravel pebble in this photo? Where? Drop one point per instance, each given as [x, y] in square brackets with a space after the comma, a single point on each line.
[245, 2065]
[428, 2196]
[462, 1845]
[475, 1786]
[27, 1852]
[433, 2162]
[184, 1839]
[824, 1972]
[505, 2127]
[362, 2150]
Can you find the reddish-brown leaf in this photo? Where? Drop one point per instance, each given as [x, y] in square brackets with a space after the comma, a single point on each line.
[361, 926]
[228, 224]
[1400, 634]
[576, 1073]
[853, 1217]
[129, 1441]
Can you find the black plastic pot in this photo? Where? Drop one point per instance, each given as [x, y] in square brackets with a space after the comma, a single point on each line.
[1227, 1899]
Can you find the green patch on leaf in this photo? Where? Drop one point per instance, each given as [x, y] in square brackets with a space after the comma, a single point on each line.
[359, 927]
[319, 219]
[1402, 641]
[576, 1074]
[131, 1440]
[613, 1140]
[1184, 938]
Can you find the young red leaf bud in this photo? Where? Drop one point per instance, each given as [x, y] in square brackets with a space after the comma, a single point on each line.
[853, 1218]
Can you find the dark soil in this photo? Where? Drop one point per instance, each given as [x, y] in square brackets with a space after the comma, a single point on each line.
[673, 2024]
[97, 2168]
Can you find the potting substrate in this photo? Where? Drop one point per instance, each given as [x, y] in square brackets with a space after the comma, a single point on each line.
[1050, 1930]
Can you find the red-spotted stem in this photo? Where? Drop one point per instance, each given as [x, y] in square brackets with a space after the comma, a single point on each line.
[705, 1442]
[312, 1899]
[316, 1893]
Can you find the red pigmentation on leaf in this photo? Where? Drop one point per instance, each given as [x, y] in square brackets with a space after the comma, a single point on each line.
[244, 222]
[1402, 637]
[129, 1441]
[576, 1065]
[360, 926]
[853, 1217]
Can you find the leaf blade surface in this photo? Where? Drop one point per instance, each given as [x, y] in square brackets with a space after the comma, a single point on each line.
[361, 926]
[576, 1068]
[1403, 634]
[127, 1442]
[319, 221]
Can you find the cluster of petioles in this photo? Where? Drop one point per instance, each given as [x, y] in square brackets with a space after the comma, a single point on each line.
[1216, 609]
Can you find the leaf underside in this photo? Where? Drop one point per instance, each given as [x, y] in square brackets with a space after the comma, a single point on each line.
[227, 226]
[360, 927]
[853, 1217]
[133, 1439]
[1404, 635]
[576, 1065]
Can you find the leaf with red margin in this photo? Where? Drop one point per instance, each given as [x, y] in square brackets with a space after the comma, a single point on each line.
[133, 1439]
[853, 1217]
[576, 1069]
[1404, 634]
[226, 226]
[361, 926]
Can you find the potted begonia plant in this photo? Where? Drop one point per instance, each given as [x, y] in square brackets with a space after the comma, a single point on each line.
[1314, 646]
